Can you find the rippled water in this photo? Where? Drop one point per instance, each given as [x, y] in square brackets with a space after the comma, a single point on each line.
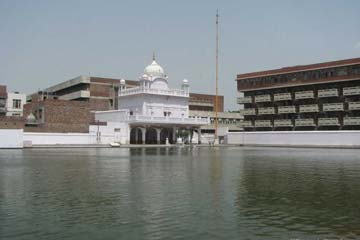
[180, 193]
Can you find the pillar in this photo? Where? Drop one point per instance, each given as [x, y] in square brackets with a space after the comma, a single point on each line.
[143, 131]
[174, 134]
[158, 131]
[199, 135]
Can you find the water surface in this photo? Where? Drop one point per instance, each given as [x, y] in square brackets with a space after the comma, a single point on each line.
[180, 193]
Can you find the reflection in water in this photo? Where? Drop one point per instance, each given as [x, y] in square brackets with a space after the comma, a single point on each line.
[311, 193]
[189, 193]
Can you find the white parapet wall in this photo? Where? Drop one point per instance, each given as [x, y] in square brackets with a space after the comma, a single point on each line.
[113, 132]
[296, 138]
[11, 138]
[35, 138]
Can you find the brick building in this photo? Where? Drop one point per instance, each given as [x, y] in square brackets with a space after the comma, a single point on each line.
[54, 115]
[205, 102]
[100, 93]
[323, 96]
[3, 98]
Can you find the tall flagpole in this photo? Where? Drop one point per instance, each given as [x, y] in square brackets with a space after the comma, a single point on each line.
[216, 78]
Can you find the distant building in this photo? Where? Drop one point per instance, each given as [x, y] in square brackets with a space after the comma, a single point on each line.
[100, 93]
[3, 99]
[15, 104]
[323, 96]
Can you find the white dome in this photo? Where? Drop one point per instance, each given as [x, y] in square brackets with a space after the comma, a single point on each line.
[154, 69]
[185, 82]
[122, 81]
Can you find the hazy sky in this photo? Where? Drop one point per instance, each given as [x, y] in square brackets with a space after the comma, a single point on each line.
[45, 42]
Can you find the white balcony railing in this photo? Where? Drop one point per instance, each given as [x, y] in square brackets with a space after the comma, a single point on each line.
[267, 110]
[248, 112]
[305, 122]
[263, 123]
[309, 108]
[139, 90]
[331, 107]
[171, 120]
[304, 95]
[246, 124]
[263, 98]
[351, 121]
[286, 109]
[328, 122]
[348, 91]
[282, 96]
[333, 92]
[283, 123]
[241, 100]
[354, 105]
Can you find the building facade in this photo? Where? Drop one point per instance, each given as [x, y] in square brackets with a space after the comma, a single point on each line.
[15, 104]
[152, 113]
[323, 96]
[3, 98]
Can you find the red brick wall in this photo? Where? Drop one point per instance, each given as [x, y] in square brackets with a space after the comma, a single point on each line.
[99, 104]
[10, 122]
[60, 116]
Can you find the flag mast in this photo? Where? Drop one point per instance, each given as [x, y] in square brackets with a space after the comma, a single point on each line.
[216, 78]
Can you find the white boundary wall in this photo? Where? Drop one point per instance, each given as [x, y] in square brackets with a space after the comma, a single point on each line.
[296, 138]
[35, 138]
[11, 138]
[113, 132]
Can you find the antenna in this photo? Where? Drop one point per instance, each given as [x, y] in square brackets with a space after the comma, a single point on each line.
[216, 77]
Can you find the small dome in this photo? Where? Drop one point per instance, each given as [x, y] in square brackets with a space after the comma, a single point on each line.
[185, 82]
[31, 118]
[145, 77]
[154, 69]
[122, 81]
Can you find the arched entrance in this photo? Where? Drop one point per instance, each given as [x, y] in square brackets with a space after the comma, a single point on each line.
[150, 137]
[136, 136]
[166, 133]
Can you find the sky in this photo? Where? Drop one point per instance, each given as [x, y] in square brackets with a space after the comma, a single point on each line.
[43, 43]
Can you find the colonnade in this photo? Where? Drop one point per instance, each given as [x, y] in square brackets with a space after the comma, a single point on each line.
[159, 135]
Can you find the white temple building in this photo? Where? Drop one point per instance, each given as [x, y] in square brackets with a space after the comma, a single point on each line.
[152, 113]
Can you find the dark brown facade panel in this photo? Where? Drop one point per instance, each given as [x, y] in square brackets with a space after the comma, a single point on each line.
[241, 86]
[299, 68]
[3, 91]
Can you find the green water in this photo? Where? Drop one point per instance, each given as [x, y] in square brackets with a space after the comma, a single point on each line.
[180, 193]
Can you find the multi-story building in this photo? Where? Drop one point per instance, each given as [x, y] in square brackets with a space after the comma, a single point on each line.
[3, 98]
[15, 104]
[100, 93]
[323, 96]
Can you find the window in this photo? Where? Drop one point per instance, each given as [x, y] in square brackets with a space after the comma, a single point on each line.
[17, 103]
